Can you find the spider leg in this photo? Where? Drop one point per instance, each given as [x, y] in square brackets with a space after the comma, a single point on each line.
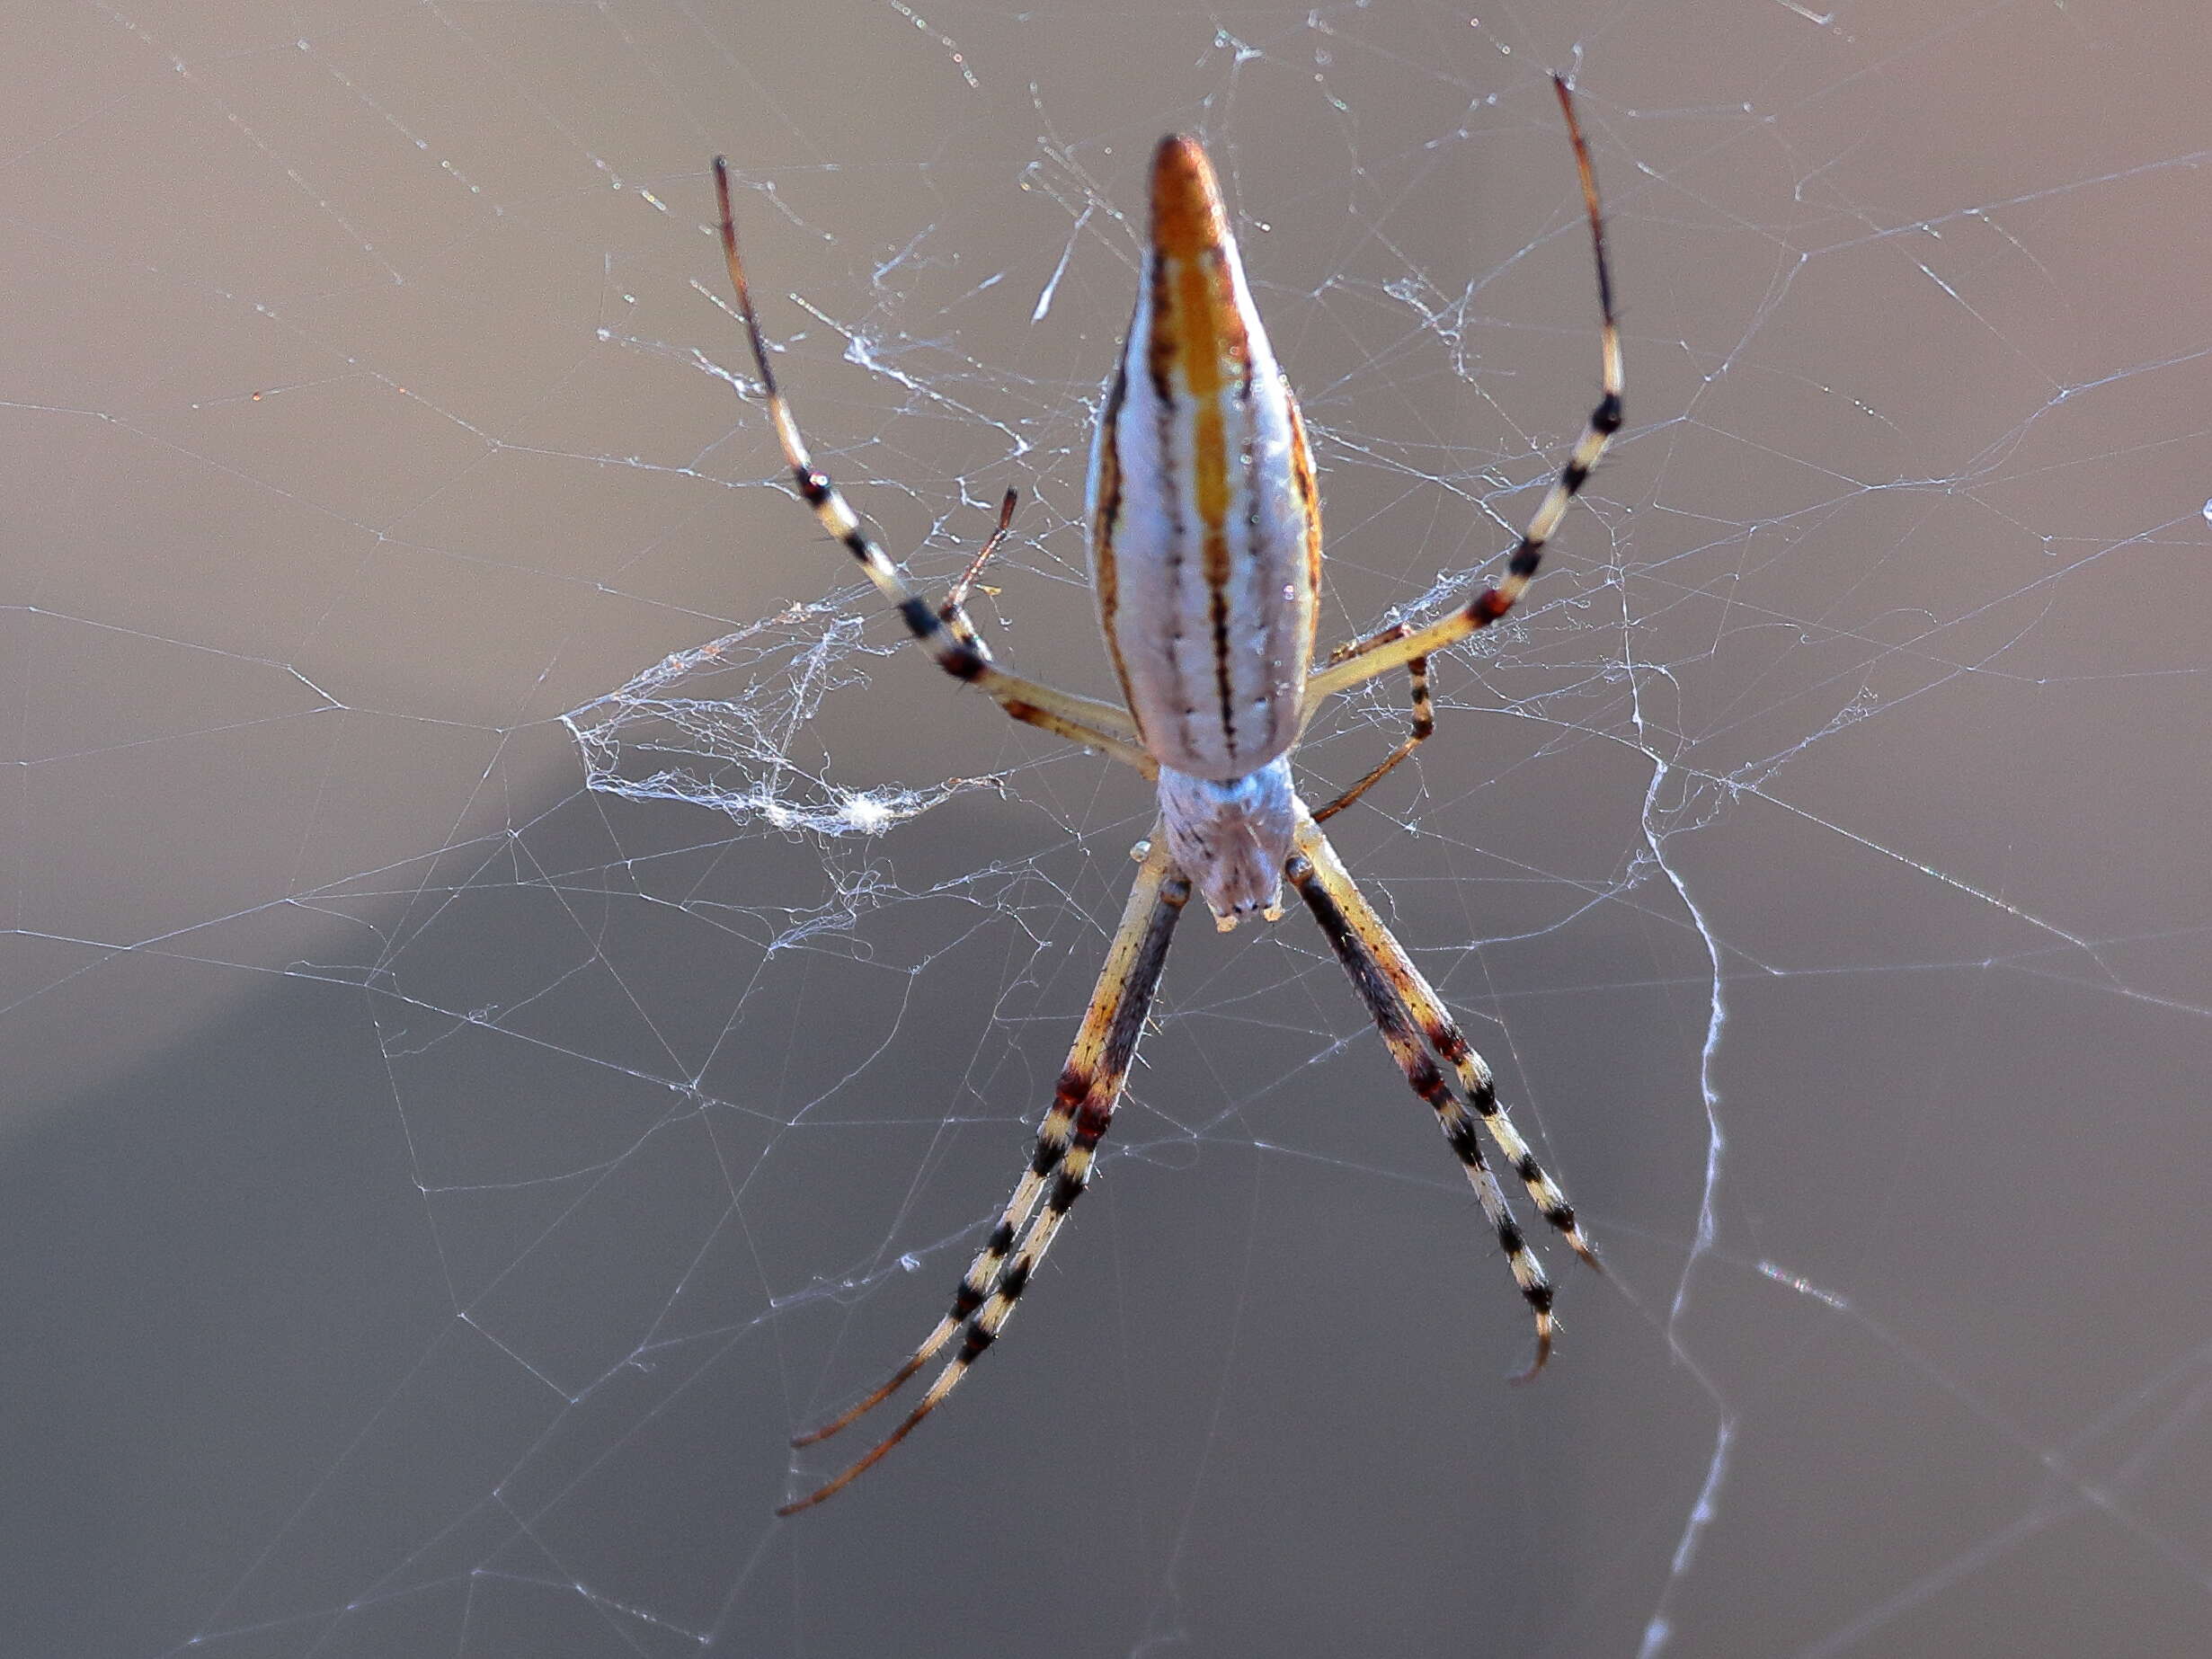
[1424, 718]
[1383, 654]
[1084, 720]
[953, 610]
[1413, 1020]
[1090, 1086]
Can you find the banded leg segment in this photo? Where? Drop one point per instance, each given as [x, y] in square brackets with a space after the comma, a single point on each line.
[1090, 1087]
[1414, 1021]
[1486, 608]
[1424, 718]
[1084, 720]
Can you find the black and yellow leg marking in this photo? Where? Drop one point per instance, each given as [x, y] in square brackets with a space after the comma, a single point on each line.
[1384, 653]
[1090, 1086]
[1445, 1037]
[1413, 1021]
[1083, 720]
[1423, 717]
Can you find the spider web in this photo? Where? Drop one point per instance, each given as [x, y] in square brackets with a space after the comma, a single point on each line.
[520, 994]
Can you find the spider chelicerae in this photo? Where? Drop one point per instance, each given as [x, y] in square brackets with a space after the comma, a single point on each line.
[1206, 558]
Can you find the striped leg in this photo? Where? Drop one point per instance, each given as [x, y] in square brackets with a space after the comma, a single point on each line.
[1409, 1015]
[1383, 653]
[1084, 720]
[1424, 718]
[1067, 1143]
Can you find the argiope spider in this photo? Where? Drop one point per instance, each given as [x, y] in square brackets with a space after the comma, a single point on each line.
[1206, 556]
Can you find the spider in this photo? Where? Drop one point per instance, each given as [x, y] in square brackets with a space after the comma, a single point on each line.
[1206, 558]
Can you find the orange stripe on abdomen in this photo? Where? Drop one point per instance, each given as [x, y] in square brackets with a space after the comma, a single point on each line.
[1199, 338]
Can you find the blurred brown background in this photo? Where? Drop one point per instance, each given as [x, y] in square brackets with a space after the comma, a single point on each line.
[434, 1190]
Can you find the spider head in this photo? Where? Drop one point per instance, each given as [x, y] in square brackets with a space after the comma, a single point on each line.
[1231, 836]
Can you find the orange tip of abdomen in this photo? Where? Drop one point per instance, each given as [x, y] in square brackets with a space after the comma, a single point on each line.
[1187, 215]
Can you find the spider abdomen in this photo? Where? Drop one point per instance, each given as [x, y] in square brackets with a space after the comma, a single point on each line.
[1205, 522]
